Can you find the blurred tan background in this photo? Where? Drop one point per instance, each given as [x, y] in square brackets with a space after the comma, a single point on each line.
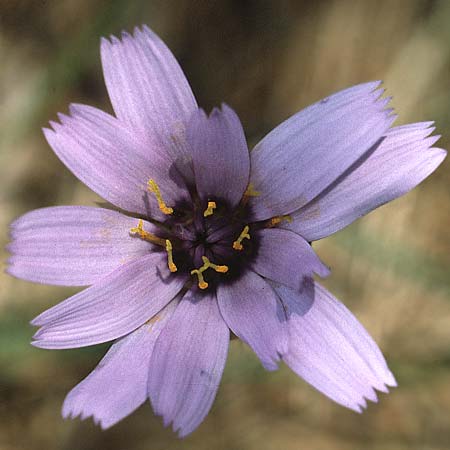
[267, 59]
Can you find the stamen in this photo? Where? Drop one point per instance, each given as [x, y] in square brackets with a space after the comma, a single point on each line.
[153, 187]
[202, 284]
[237, 244]
[278, 219]
[209, 211]
[170, 263]
[207, 264]
[139, 230]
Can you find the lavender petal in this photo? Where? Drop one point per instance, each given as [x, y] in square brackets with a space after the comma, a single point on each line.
[111, 160]
[254, 313]
[72, 245]
[331, 350]
[286, 258]
[306, 153]
[220, 154]
[118, 385]
[113, 307]
[403, 159]
[188, 361]
[147, 87]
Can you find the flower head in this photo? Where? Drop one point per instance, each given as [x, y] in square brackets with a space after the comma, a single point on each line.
[210, 238]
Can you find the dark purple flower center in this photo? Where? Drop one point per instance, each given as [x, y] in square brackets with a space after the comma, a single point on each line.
[210, 240]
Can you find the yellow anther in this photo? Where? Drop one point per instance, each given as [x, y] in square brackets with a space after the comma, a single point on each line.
[153, 187]
[209, 211]
[202, 284]
[237, 244]
[207, 264]
[139, 230]
[278, 219]
[170, 263]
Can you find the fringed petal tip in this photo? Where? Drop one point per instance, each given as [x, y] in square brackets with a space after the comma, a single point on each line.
[373, 396]
[187, 363]
[399, 162]
[331, 350]
[138, 30]
[330, 135]
[82, 416]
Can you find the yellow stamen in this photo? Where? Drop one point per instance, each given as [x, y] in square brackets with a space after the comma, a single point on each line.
[278, 219]
[209, 211]
[237, 244]
[153, 187]
[202, 284]
[207, 264]
[139, 230]
[170, 263]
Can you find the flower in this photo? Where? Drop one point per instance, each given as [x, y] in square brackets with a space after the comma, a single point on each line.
[209, 237]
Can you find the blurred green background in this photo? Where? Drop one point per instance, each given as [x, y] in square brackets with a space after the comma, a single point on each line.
[267, 59]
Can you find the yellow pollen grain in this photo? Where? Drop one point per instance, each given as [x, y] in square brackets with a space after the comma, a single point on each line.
[237, 244]
[209, 211]
[153, 187]
[145, 235]
[170, 263]
[250, 191]
[278, 219]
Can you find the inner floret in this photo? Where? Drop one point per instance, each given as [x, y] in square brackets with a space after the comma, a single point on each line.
[207, 239]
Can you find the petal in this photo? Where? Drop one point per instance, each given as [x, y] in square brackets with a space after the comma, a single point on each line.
[220, 154]
[72, 245]
[331, 350]
[254, 313]
[111, 308]
[286, 258]
[188, 361]
[147, 87]
[118, 385]
[109, 158]
[306, 153]
[402, 160]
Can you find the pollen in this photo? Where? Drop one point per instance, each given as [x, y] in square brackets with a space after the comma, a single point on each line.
[170, 263]
[274, 221]
[209, 211]
[251, 192]
[145, 235]
[207, 264]
[153, 187]
[237, 244]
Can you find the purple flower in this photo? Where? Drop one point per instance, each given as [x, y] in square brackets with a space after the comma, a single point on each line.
[209, 238]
